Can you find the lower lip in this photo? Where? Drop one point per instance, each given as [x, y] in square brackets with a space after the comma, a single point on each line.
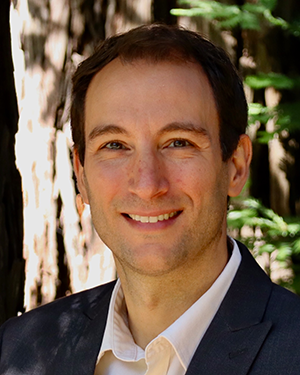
[151, 226]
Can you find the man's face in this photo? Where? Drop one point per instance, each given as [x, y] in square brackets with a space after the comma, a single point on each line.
[153, 172]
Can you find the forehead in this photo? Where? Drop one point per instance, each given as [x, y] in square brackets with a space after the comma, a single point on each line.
[153, 94]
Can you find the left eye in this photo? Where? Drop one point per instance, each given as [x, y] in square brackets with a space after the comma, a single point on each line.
[179, 143]
[114, 146]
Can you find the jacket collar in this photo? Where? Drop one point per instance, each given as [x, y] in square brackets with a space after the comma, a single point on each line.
[84, 346]
[230, 344]
[237, 332]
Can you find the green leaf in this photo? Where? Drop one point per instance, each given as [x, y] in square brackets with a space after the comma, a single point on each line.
[231, 22]
[251, 202]
[257, 112]
[266, 248]
[254, 8]
[265, 137]
[296, 246]
[269, 4]
[294, 228]
[228, 16]
[239, 218]
[185, 12]
[263, 80]
[249, 21]
[207, 9]
[247, 16]
[284, 251]
[276, 21]
[256, 109]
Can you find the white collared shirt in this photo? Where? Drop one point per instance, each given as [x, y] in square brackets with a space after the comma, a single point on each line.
[170, 353]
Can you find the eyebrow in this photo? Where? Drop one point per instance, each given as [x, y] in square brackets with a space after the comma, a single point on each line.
[106, 129]
[185, 127]
[169, 128]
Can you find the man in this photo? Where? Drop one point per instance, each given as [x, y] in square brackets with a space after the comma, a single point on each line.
[158, 119]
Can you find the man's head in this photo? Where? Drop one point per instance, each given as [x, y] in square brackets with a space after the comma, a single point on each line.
[160, 43]
[146, 115]
[148, 157]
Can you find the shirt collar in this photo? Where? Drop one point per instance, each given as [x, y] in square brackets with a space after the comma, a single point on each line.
[187, 331]
[182, 333]
[117, 336]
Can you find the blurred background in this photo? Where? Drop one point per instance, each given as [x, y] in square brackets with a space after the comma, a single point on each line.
[48, 247]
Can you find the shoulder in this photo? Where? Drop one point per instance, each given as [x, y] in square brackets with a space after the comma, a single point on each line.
[82, 302]
[59, 314]
[279, 300]
[262, 299]
[256, 300]
[284, 306]
[280, 352]
[46, 340]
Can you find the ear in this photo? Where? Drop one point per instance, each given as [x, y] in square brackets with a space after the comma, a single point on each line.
[239, 164]
[79, 172]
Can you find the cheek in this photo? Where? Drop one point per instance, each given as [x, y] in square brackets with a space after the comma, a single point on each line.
[194, 177]
[106, 183]
[107, 172]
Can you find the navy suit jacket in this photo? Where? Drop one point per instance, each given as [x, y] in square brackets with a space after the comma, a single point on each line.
[255, 331]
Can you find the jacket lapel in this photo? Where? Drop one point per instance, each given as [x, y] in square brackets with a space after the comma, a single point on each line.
[237, 332]
[85, 337]
[229, 346]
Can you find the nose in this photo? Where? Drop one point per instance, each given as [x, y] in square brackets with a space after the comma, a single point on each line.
[148, 176]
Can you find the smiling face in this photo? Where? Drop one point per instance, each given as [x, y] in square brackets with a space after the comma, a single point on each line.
[153, 171]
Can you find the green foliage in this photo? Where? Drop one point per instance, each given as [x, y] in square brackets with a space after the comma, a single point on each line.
[260, 113]
[263, 80]
[269, 4]
[247, 16]
[266, 232]
[286, 117]
[250, 16]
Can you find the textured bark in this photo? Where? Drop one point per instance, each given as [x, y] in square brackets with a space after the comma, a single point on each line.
[11, 219]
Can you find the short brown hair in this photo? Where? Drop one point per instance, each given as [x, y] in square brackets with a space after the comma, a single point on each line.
[157, 43]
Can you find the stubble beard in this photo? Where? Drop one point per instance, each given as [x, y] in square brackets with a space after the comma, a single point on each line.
[193, 246]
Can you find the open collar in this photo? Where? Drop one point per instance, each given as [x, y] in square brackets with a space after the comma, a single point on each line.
[238, 331]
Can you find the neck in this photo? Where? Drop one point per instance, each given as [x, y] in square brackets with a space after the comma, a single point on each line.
[155, 302]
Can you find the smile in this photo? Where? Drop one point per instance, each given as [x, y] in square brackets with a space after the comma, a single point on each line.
[153, 219]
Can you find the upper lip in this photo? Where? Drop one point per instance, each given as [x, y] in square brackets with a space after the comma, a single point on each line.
[152, 214]
[153, 218]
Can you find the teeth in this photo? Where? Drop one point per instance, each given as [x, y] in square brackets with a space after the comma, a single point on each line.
[152, 219]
